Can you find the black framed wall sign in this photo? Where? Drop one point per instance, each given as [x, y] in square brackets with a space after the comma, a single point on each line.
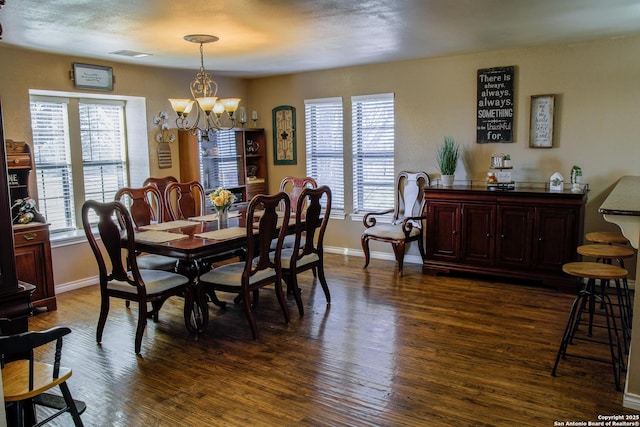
[284, 135]
[96, 77]
[495, 105]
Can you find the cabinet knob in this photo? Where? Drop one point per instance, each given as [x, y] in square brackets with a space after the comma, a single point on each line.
[16, 161]
[30, 236]
[453, 232]
[502, 236]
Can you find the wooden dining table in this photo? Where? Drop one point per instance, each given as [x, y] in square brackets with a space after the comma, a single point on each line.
[191, 241]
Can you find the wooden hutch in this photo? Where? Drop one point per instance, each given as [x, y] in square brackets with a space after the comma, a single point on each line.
[31, 240]
[235, 159]
[14, 295]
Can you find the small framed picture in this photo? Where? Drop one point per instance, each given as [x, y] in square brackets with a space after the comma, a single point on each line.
[94, 77]
[542, 121]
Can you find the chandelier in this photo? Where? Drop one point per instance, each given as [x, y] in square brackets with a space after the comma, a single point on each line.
[214, 112]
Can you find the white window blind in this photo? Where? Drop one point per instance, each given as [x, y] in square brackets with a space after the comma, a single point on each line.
[103, 149]
[100, 168]
[373, 133]
[50, 127]
[220, 163]
[324, 146]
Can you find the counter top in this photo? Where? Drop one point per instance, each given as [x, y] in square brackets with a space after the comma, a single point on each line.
[624, 199]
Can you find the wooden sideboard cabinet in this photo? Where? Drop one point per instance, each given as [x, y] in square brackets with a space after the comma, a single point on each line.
[33, 262]
[524, 234]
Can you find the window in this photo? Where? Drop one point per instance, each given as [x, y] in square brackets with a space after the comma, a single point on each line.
[80, 154]
[324, 142]
[373, 140]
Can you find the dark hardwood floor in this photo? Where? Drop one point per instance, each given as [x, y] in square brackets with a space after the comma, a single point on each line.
[388, 351]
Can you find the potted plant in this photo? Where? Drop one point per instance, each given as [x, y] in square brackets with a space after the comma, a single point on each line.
[448, 155]
[576, 177]
[507, 161]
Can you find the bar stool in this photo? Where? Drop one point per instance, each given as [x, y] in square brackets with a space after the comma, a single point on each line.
[607, 254]
[607, 237]
[587, 299]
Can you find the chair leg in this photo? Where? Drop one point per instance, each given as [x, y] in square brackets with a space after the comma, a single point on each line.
[142, 322]
[292, 288]
[365, 249]
[73, 410]
[246, 301]
[283, 301]
[102, 319]
[398, 249]
[323, 282]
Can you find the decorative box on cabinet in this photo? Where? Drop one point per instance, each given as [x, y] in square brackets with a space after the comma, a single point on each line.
[235, 160]
[524, 234]
[31, 241]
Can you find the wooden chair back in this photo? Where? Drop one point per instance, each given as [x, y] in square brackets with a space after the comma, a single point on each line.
[114, 226]
[409, 195]
[161, 185]
[185, 199]
[293, 186]
[145, 204]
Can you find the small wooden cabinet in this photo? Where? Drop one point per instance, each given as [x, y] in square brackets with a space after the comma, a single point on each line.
[33, 262]
[235, 160]
[526, 234]
[31, 240]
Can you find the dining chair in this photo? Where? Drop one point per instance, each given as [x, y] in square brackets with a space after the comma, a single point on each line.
[259, 269]
[115, 228]
[26, 381]
[146, 206]
[406, 222]
[161, 185]
[184, 199]
[293, 186]
[312, 216]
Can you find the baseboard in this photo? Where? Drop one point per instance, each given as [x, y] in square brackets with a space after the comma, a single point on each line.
[631, 401]
[410, 259]
[77, 284]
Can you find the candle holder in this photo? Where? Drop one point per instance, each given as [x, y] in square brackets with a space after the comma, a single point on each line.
[254, 117]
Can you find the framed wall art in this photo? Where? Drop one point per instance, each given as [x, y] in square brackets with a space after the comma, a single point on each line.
[542, 121]
[95, 77]
[284, 135]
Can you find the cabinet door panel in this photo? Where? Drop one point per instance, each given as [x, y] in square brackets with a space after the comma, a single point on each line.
[478, 230]
[555, 238]
[443, 225]
[515, 234]
[30, 262]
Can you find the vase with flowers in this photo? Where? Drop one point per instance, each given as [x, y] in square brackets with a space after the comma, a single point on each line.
[222, 199]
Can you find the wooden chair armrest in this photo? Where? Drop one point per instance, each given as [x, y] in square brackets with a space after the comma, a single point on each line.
[407, 225]
[26, 341]
[369, 219]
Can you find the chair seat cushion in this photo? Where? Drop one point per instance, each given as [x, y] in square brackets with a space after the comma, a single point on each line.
[156, 282]
[156, 262]
[389, 231]
[307, 259]
[231, 275]
[288, 242]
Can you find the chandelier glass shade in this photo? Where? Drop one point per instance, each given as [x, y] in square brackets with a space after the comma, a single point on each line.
[204, 111]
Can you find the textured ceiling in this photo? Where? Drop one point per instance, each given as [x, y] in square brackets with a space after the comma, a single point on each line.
[267, 37]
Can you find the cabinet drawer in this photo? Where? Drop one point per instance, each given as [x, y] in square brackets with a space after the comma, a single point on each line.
[15, 161]
[29, 237]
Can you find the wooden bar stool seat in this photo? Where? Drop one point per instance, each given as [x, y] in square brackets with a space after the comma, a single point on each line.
[586, 301]
[607, 237]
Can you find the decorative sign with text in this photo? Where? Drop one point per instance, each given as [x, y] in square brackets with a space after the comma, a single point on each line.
[495, 105]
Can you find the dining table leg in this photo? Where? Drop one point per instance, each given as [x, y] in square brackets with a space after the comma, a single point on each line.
[196, 313]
